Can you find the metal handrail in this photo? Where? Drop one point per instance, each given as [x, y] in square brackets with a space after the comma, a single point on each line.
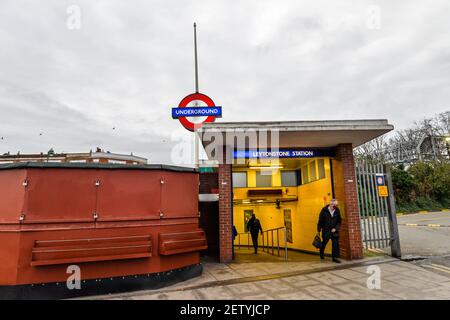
[239, 238]
[270, 248]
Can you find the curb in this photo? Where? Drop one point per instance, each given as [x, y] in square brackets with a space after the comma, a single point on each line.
[421, 212]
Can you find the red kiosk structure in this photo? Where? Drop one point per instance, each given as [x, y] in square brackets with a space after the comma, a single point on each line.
[125, 227]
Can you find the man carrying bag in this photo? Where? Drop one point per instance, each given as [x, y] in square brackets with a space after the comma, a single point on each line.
[329, 223]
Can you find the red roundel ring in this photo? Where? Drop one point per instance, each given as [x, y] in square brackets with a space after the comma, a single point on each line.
[195, 96]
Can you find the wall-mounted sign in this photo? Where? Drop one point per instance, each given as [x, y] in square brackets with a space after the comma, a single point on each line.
[183, 112]
[282, 153]
[288, 225]
[379, 177]
[383, 191]
[247, 216]
[196, 112]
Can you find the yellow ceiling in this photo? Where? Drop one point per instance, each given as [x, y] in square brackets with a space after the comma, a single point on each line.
[285, 163]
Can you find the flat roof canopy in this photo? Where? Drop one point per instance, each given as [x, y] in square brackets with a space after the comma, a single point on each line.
[309, 134]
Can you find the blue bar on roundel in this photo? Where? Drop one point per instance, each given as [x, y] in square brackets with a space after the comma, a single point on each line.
[215, 111]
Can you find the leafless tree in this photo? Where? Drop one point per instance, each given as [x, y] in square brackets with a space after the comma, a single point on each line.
[427, 139]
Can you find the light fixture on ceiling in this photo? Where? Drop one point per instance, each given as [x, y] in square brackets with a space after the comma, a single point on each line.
[266, 167]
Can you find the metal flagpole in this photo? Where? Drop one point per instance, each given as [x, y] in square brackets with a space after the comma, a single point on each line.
[195, 57]
[196, 146]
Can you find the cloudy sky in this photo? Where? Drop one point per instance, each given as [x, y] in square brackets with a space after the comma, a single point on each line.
[65, 82]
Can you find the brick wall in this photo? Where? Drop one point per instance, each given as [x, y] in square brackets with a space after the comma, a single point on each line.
[225, 210]
[346, 191]
[208, 182]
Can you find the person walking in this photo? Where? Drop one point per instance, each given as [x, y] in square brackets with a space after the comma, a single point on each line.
[254, 226]
[234, 233]
[329, 223]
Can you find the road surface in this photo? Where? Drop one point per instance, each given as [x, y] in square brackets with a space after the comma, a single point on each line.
[425, 234]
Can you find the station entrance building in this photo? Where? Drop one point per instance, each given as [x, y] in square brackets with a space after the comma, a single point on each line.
[285, 173]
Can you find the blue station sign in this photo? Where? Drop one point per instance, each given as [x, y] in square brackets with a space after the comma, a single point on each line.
[215, 111]
[281, 153]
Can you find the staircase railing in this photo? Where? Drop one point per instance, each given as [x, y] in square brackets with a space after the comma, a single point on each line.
[271, 243]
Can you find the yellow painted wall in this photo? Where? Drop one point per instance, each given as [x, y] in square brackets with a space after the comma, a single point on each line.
[338, 174]
[312, 197]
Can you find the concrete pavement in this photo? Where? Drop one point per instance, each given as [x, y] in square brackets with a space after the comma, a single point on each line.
[217, 274]
[315, 280]
[425, 276]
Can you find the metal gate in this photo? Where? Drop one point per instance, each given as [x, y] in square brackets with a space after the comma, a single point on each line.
[378, 218]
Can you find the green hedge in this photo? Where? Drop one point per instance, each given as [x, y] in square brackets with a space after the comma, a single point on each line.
[422, 186]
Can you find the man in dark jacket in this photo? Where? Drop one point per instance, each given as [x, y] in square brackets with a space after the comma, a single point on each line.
[254, 226]
[235, 233]
[329, 223]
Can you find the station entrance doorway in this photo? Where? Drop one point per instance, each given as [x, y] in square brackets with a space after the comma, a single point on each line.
[287, 193]
[286, 196]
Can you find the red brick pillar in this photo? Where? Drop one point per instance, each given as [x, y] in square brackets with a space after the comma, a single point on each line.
[350, 234]
[225, 213]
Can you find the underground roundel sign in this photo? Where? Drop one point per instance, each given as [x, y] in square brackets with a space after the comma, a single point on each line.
[380, 179]
[196, 109]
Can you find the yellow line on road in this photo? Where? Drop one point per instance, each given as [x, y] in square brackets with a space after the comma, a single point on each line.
[431, 225]
[441, 266]
[435, 267]
[430, 219]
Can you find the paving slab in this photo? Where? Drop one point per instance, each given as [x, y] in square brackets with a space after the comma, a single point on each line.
[313, 280]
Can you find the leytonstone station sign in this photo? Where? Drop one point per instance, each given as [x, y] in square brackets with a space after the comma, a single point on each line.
[183, 112]
[282, 153]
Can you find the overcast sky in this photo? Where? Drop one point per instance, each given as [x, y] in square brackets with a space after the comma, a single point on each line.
[129, 62]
